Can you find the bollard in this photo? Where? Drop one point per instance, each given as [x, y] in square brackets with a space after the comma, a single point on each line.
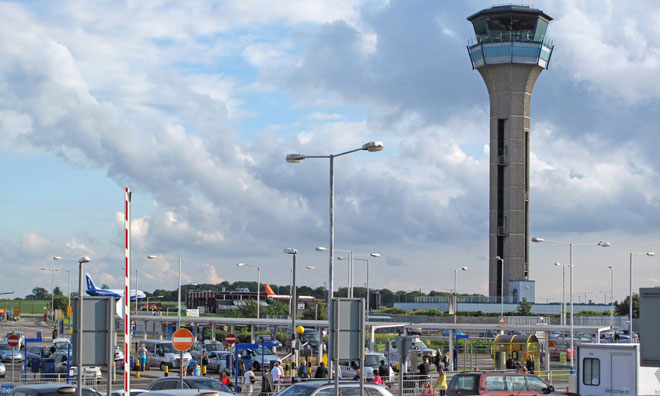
[309, 365]
[114, 371]
[203, 370]
[137, 374]
[167, 370]
[286, 368]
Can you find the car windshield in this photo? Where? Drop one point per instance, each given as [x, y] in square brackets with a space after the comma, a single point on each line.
[62, 345]
[373, 360]
[312, 337]
[421, 345]
[298, 390]
[214, 347]
[167, 348]
[5, 346]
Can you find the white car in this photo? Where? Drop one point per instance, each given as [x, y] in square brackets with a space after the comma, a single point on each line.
[3, 370]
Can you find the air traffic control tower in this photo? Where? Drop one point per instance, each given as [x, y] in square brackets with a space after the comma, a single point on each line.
[509, 52]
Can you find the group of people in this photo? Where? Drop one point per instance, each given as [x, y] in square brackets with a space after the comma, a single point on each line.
[528, 367]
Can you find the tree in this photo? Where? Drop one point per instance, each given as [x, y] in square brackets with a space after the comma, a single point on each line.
[524, 308]
[623, 308]
[57, 291]
[61, 302]
[314, 310]
[39, 293]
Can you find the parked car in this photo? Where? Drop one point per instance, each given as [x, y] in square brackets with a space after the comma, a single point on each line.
[119, 355]
[208, 383]
[255, 357]
[188, 392]
[6, 353]
[50, 390]
[62, 344]
[326, 387]
[3, 370]
[218, 361]
[37, 352]
[498, 383]
[61, 364]
[559, 346]
[208, 346]
[134, 392]
[21, 337]
[371, 362]
[161, 353]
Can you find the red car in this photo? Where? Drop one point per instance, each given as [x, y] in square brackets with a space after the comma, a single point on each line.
[500, 383]
[557, 347]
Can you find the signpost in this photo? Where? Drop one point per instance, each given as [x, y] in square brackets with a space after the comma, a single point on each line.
[502, 320]
[182, 339]
[13, 341]
[230, 338]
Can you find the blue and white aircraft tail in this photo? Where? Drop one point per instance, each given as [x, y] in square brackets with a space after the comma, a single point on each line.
[92, 290]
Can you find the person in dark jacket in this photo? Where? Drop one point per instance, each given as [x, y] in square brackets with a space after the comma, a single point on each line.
[384, 370]
[321, 371]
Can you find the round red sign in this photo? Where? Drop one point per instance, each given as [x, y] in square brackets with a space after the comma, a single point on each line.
[182, 339]
[12, 340]
[230, 338]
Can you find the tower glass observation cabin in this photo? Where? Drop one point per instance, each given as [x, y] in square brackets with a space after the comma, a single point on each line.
[510, 34]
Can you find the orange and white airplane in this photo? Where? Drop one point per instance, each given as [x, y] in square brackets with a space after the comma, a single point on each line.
[271, 294]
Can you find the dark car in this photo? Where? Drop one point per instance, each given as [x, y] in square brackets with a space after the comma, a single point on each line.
[50, 390]
[208, 383]
[325, 387]
[500, 383]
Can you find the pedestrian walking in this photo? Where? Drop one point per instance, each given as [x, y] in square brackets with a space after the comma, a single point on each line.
[440, 383]
[142, 357]
[249, 380]
[205, 361]
[303, 373]
[321, 371]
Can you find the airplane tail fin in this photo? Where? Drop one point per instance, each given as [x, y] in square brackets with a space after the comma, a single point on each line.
[90, 282]
[269, 290]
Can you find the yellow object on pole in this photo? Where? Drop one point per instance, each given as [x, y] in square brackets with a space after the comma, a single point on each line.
[300, 329]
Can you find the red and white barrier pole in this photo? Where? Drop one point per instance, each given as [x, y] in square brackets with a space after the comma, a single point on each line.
[127, 291]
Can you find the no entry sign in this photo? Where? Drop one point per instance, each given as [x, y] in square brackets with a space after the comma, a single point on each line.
[182, 339]
[230, 338]
[12, 340]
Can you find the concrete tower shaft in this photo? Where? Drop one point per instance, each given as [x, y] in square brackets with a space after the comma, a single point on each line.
[509, 53]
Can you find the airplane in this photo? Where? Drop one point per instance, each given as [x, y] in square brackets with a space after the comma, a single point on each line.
[92, 290]
[271, 294]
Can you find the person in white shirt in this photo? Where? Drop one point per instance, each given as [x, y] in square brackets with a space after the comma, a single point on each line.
[249, 379]
[276, 372]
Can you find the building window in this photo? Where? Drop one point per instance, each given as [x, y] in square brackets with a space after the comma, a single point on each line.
[591, 372]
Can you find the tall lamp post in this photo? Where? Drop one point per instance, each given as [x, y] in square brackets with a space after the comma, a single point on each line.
[563, 293]
[366, 261]
[79, 327]
[295, 158]
[611, 299]
[498, 258]
[178, 313]
[52, 288]
[630, 298]
[258, 282]
[570, 245]
[455, 292]
[294, 301]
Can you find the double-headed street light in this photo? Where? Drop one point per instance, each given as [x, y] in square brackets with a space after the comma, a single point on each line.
[367, 261]
[563, 293]
[52, 288]
[79, 327]
[455, 292]
[258, 282]
[178, 314]
[630, 298]
[601, 244]
[295, 158]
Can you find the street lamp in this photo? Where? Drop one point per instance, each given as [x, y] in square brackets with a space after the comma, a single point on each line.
[455, 293]
[294, 301]
[498, 258]
[79, 327]
[630, 299]
[611, 299]
[570, 245]
[52, 288]
[367, 261]
[258, 283]
[563, 293]
[295, 158]
[178, 314]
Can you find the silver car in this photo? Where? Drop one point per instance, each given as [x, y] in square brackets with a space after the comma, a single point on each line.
[161, 354]
[3, 370]
[6, 353]
[218, 361]
[325, 387]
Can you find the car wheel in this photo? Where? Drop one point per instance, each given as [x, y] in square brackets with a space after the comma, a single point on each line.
[162, 366]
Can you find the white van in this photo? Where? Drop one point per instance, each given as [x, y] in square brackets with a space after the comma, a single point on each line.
[161, 353]
[613, 369]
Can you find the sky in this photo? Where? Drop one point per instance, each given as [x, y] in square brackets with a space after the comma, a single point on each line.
[194, 106]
